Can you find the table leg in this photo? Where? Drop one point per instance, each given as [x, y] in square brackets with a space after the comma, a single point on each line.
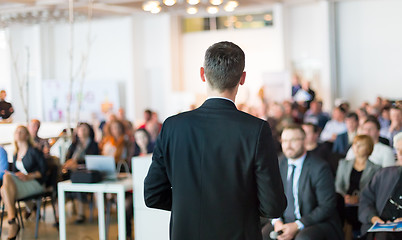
[101, 215]
[121, 214]
[62, 213]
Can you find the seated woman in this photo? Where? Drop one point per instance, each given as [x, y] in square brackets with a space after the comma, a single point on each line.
[143, 145]
[352, 176]
[27, 176]
[115, 143]
[83, 144]
[381, 201]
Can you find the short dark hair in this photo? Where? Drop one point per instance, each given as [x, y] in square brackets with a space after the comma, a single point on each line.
[316, 129]
[224, 64]
[374, 120]
[295, 127]
[353, 115]
[342, 109]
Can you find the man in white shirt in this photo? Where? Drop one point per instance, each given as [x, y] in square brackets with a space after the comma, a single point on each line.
[335, 126]
[382, 154]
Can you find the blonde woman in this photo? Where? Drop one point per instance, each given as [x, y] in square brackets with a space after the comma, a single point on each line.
[26, 178]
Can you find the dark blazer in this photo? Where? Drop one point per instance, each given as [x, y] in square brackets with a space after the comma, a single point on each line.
[91, 149]
[341, 144]
[376, 194]
[317, 199]
[33, 161]
[215, 168]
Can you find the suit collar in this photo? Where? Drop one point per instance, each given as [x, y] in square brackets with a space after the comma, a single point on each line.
[218, 103]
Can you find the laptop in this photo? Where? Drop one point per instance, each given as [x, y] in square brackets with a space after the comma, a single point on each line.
[104, 164]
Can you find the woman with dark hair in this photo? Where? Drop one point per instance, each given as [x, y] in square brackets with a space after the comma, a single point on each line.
[143, 144]
[83, 144]
[27, 176]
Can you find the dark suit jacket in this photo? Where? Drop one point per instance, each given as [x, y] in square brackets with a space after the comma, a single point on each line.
[216, 170]
[317, 199]
[341, 144]
[33, 161]
[375, 195]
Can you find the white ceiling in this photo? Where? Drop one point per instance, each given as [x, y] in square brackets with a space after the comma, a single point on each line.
[102, 8]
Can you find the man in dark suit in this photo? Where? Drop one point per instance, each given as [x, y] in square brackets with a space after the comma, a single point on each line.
[215, 168]
[310, 192]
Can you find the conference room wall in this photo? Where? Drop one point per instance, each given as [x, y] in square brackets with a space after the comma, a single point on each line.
[369, 49]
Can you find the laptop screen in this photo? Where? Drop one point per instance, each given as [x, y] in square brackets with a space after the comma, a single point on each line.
[104, 164]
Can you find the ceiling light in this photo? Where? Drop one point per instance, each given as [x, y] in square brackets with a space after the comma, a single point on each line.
[192, 10]
[193, 2]
[169, 2]
[212, 10]
[156, 9]
[149, 5]
[216, 2]
[232, 4]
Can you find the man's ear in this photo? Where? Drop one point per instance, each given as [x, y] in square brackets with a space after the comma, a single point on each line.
[202, 74]
[243, 78]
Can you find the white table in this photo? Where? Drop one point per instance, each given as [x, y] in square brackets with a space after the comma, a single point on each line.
[119, 187]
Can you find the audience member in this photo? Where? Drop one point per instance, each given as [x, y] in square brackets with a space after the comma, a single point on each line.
[310, 191]
[115, 143]
[305, 95]
[29, 168]
[384, 118]
[396, 125]
[352, 176]
[344, 140]
[39, 143]
[335, 126]
[6, 109]
[380, 200]
[295, 84]
[382, 154]
[315, 115]
[143, 145]
[362, 115]
[312, 145]
[147, 118]
[154, 127]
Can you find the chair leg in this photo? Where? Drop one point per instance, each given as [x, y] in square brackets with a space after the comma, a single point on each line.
[2, 216]
[38, 203]
[44, 210]
[54, 209]
[20, 213]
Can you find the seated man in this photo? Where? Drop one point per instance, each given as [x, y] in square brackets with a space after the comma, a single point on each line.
[6, 109]
[382, 154]
[344, 141]
[380, 200]
[335, 126]
[310, 192]
[396, 124]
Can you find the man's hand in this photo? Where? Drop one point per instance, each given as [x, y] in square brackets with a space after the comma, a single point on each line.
[289, 231]
[278, 226]
[376, 219]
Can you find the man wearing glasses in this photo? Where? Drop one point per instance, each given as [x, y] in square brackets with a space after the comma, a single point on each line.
[309, 189]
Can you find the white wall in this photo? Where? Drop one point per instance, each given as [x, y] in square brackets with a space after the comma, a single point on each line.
[369, 49]
[308, 46]
[263, 48]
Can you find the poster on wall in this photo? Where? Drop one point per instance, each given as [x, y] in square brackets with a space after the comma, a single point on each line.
[98, 98]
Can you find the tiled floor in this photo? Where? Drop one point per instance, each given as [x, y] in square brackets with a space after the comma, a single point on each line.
[86, 231]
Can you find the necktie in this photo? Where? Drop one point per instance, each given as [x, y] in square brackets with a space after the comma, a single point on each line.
[289, 214]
